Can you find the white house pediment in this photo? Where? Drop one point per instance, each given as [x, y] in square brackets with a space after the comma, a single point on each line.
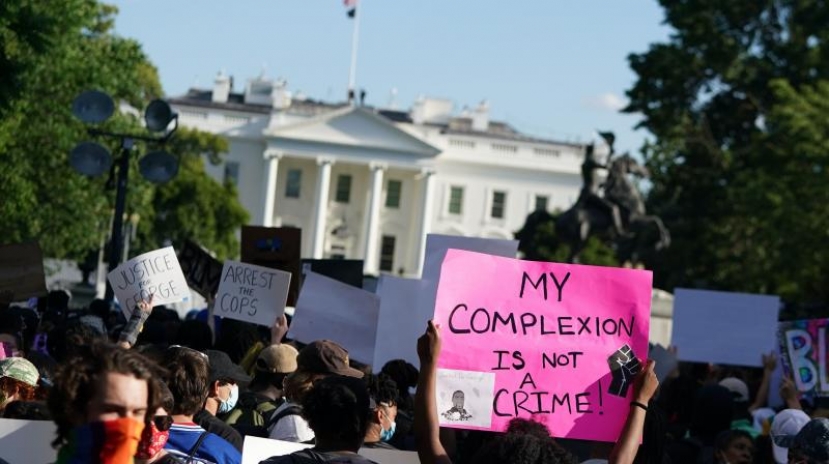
[355, 127]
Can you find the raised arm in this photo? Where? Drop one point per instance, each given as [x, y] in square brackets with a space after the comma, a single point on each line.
[279, 329]
[426, 428]
[788, 391]
[136, 323]
[627, 446]
[769, 364]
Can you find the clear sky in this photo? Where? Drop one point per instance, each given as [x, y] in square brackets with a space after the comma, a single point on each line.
[551, 68]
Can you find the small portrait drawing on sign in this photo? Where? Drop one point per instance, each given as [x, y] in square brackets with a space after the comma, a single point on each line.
[457, 411]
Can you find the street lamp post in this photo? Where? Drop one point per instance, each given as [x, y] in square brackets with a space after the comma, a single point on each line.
[92, 159]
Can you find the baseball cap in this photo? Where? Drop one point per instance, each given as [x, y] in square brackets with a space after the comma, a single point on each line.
[326, 357]
[277, 359]
[784, 428]
[813, 440]
[737, 387]
[19, 369]
[221, 367]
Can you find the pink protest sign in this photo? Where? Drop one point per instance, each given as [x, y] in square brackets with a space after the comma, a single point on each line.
[553, 342]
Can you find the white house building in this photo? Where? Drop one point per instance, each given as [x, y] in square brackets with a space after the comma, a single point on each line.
[366, 183]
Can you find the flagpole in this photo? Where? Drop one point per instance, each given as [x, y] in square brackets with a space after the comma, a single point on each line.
[352, 75]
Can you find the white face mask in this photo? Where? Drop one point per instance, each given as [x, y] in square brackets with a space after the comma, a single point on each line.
[228, 405]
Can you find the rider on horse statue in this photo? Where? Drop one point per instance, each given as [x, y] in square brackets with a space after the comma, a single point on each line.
[589, 196]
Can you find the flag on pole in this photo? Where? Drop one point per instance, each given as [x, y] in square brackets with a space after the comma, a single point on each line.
[351, 7]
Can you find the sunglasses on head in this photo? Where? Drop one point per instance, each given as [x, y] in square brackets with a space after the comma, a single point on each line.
[163, 423]
[185, 348]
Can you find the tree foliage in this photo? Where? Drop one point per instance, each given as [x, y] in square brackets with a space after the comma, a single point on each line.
[738, 171]
[70, 50]
[537, 241]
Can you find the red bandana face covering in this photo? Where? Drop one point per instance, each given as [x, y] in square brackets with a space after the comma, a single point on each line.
[152, 441]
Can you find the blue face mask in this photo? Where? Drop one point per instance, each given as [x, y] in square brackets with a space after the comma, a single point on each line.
[227, 406]
[387, 434]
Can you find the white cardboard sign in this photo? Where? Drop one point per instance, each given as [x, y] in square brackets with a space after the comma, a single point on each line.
[436, 248]
[155, 273]
[329, 309]
[257, 449]
[399, 324]
[724, 328]
[252, 293]
[27, 442]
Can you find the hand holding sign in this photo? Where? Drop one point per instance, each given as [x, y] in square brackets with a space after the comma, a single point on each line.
[646, 383]
[279, 329]
[428, 345]
[770, 362]
[146, 306]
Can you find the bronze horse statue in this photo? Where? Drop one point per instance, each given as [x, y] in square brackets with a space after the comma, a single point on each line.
[620, 211]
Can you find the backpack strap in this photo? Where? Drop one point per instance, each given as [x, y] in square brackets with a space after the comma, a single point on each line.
[292, 410]
[192, 453]
[266, 408]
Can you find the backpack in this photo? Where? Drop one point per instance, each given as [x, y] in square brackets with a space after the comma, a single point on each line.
[253, 415]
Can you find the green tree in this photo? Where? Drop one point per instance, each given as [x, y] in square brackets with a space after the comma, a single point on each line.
[538, 242]
[730, 179]
[42, 197]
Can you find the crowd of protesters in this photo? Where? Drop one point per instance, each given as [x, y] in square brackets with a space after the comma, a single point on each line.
[152, 388]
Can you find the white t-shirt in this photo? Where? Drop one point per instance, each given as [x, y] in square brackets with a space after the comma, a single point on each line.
[292, 427]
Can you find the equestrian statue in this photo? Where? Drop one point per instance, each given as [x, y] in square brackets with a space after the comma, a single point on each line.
[608, 204]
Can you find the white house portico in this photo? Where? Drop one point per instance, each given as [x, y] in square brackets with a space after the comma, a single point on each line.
[369, 184]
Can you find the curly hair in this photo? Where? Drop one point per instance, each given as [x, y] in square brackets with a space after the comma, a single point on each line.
[403, 373]
[66, 342]
[382, 389]
[188, 379]
[25, 392]
[526, 442]
[77, 382]
[337, 409]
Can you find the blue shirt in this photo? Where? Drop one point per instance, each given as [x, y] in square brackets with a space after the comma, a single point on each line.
[213, 449]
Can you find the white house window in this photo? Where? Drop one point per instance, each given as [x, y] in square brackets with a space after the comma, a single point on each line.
[499, 202]
[232, 172]
[541, 202]
[387, 253]
[343, 194]
[294, 184]
[456, 200]
[393, 189]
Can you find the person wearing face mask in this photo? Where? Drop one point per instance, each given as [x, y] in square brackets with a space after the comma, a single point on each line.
[222, 395]
[382, 392]
[99, 403]
[187, 376]
[155, 435]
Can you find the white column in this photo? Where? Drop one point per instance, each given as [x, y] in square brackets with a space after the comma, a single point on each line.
[321, 208]
[269, 186]
[427, 179]
[372, 234]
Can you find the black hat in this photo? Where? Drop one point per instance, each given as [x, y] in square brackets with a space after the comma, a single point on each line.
[221, 367]
[813, 440]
